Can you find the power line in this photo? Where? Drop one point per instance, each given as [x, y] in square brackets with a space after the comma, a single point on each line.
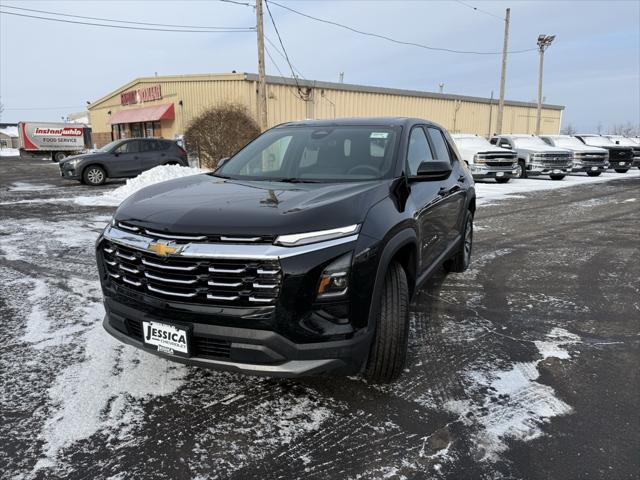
[284, 50]
[123, 27]
[480, 10]
[266, 49]
[123, 21]
[275, 47]
[390, 39]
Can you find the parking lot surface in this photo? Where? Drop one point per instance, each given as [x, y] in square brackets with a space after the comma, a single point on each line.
[523, 367]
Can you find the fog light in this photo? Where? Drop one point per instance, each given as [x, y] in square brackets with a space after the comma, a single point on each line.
[334, 281]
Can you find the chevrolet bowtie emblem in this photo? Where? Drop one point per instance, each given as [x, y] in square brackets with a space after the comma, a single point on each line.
[162, 249]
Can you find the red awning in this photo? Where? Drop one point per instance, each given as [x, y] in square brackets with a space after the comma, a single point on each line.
[145, 114]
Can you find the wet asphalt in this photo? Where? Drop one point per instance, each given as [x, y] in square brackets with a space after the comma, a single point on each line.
[524, 367]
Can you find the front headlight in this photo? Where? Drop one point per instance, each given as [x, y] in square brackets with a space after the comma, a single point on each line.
[296, 239]
[479, 160]
[74, 162]
[334, 281]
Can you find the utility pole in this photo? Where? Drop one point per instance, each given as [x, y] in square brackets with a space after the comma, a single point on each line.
[543, 42]
[262, 85]
[490, 113]
[503, 75]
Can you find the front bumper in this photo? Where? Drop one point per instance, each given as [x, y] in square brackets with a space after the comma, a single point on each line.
[246, 350]
[483, 171]
[542, 169]
[69, 171]
[579, 167]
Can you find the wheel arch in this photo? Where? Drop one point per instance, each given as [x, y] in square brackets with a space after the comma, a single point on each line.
[97, 164]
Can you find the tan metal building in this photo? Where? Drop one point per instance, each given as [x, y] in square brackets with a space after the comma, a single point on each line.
[164, 106]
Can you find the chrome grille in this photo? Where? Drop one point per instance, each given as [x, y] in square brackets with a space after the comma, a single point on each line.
[209, 281]
[553, 159]
[591, 158]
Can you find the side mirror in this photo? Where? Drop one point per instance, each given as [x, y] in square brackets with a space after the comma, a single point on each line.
[222, 161]
[433, 170]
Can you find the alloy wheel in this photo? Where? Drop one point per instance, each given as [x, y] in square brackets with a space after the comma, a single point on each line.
[95, 176]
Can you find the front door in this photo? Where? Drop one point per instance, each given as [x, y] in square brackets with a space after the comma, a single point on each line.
[125, 160]
[426, 200]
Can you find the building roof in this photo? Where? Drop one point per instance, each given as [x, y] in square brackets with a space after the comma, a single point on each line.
[252, 77]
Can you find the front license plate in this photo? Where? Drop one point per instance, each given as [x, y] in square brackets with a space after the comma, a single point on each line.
[557, 171]
[622, 164]
[594, 168]
[499, 174]
[166, 338]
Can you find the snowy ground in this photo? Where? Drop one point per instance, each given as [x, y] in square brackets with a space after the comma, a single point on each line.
[525, 366]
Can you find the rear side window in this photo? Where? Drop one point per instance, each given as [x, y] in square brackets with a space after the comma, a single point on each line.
[418, 151]
[440, 148]
[149, 146]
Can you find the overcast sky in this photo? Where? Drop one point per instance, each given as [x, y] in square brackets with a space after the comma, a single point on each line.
[50, 69]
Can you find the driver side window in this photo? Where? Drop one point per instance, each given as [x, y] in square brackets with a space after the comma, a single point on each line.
[418, 151]
[127, 147]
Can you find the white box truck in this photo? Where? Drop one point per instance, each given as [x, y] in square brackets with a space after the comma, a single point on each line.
[59, 140]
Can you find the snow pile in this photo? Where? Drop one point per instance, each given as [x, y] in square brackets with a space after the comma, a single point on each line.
[150, 177]
[9, 152]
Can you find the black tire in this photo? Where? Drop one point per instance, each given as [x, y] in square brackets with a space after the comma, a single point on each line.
[94, 175]
[59, 156]
[621, 170]
[557, 177]
[521, 169]
[594, 174]
[461, 260]
[502, 179]
[388, 352]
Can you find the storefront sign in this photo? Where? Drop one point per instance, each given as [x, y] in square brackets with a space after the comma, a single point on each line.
[141, 95]
[63, 132]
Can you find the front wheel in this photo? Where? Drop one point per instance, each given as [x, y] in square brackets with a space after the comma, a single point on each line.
[557, 177]
[521, 169]
[388, 352]
[94, 175]
[502, 179]
[621, 170]
[594, 174]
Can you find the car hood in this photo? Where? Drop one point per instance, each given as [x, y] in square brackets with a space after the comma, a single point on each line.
[82, 156]
[542, 149]
[471, 151]
[209, 205]
[586, 149]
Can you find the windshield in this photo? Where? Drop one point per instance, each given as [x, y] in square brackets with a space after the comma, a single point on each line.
[567, 142]
[473, 142]
[316, 154]
[109, 146]
[595, 141]
[529, 142]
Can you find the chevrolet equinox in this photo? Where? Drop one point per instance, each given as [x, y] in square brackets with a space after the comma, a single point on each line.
[298, 256]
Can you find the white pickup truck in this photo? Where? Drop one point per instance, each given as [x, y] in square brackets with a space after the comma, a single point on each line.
[485, 160]
[535, 157]
[591, 160]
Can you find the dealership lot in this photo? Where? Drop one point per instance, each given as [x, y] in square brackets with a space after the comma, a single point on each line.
[525, 366]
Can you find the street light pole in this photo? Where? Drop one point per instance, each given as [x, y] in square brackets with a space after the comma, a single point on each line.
[543, 43]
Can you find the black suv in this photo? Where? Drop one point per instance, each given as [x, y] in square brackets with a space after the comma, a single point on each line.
[298, 256]
[122, 159]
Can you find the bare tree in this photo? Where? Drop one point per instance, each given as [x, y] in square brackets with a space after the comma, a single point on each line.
[599, 128]
[220, 132]
[568, 130]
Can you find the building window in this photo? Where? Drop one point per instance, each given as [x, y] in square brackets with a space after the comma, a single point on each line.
[136, 130]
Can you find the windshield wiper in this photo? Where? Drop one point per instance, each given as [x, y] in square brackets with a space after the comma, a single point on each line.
[296, 180]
